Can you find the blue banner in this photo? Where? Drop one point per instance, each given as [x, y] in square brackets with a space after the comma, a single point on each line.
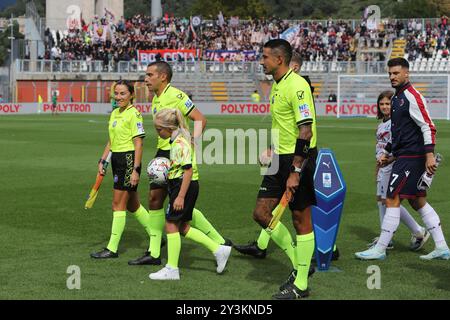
[290, 33]
[330, 193]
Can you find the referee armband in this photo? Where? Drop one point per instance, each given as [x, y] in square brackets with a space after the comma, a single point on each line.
[302, 148]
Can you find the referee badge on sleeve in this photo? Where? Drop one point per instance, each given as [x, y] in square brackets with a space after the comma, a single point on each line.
[300, 94]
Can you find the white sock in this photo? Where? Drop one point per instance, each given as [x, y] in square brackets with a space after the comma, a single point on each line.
[433, 224]
[388, 227]
[409, 221]
[381, 211]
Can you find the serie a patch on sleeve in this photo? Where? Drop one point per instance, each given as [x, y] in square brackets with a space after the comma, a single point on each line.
[304, 110]
[188, 103]
[140, 128]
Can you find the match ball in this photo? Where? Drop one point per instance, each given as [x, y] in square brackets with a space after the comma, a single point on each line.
[158, 170]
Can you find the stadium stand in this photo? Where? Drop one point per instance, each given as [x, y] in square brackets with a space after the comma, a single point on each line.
[317, 41]
[107, 50]
[398, 48]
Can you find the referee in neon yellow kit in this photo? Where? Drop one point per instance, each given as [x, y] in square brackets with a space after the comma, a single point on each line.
[126, 134]
[294, 118]
[157, 79]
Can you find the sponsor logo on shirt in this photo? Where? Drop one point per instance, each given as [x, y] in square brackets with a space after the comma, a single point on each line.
[300, 94]
[154, 111]
[304, 110]
[180, 96]
[114, 123]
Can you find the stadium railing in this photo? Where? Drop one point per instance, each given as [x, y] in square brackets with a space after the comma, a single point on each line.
[125, 67]
[214, 68]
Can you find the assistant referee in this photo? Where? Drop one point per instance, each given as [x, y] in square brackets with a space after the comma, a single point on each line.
[126, 134]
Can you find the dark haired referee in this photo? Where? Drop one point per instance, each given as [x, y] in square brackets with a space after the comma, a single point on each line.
[294, 122]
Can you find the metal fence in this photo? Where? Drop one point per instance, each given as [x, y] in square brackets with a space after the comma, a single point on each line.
[126, 67]
[4, 90]
[228, 69]
[4, 84]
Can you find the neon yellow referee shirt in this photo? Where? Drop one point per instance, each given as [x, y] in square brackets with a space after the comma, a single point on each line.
[172, 98]
[123, 127]
[182, 156]
[291, 105]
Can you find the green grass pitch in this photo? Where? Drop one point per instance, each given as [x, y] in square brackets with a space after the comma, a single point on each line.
[48, 165]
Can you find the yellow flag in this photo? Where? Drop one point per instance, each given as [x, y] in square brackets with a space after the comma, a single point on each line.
[39, 103]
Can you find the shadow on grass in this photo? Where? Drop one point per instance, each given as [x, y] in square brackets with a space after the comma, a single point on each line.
[270, 271]
[438, 269]
[130, 240]
[364, 233]
[367, 234]
[188, 257]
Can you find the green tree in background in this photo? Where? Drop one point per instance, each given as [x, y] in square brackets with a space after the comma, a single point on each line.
[20, 7]
[286, 9]
[443, 7]
[416, 9]
[242, 8]
[5, 43]
[135, 7]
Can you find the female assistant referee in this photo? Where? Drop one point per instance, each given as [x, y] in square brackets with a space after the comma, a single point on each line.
[126, 134]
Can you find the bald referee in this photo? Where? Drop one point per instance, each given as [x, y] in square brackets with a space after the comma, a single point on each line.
[258, 248]
[294, 117]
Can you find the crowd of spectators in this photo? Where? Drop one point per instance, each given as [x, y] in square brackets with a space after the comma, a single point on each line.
[429, 40]
[111, 41]
[106, 40]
